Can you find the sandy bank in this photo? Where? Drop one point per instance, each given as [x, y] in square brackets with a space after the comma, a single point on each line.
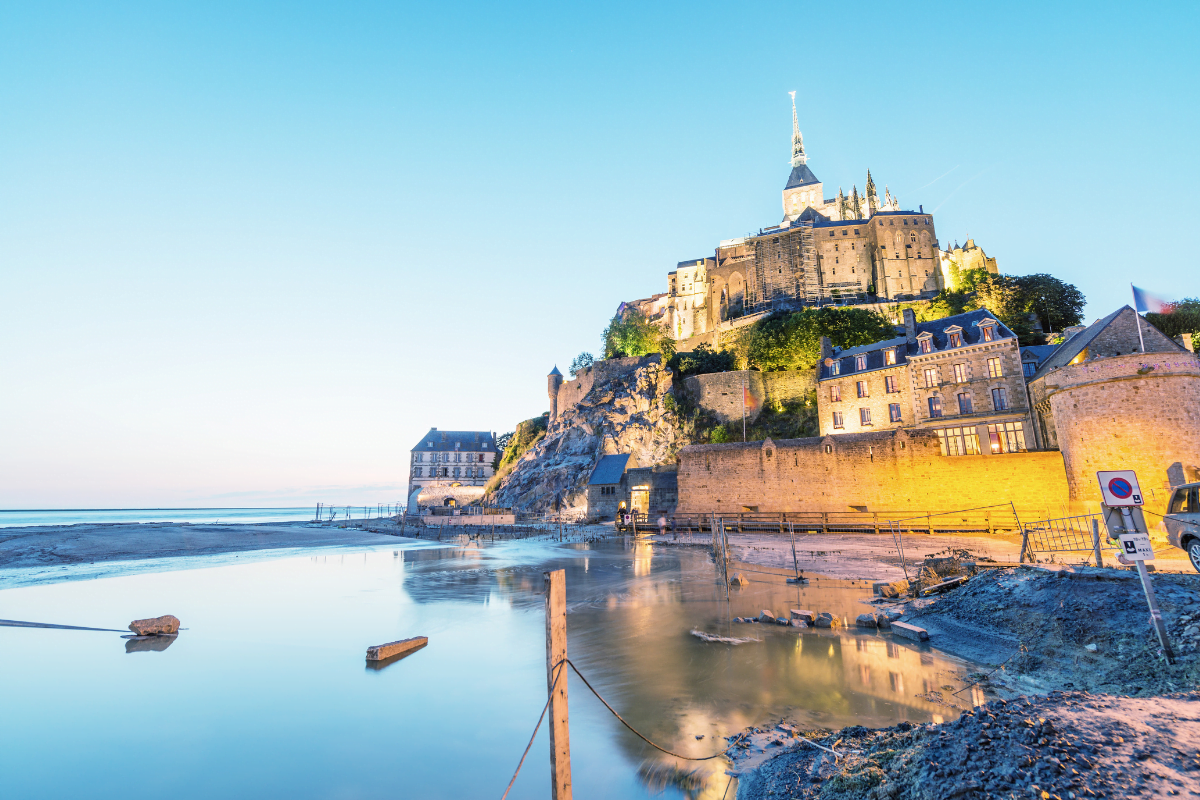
[54, 546]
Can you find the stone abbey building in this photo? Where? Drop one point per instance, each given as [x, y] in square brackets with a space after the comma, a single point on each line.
[847, 249]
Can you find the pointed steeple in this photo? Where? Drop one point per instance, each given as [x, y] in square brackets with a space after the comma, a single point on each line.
[855, 203]
[799, 159]
[870, 185]
[872, 196]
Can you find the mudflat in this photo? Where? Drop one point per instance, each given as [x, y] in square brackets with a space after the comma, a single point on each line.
[59, 545]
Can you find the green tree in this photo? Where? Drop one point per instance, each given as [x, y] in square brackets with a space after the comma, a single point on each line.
[581, 362]
[793, 341]
[1056, 303]
[1181, 317]
[631, 334]
[702, 361]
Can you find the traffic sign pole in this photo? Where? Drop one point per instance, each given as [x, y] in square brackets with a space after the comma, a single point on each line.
[1155, 617]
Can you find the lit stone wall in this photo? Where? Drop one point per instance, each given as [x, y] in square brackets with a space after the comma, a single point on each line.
[720, 393]
[1138, 411]
[892, 471]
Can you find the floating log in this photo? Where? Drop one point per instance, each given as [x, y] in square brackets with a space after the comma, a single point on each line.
[907, 631]
[385, 651]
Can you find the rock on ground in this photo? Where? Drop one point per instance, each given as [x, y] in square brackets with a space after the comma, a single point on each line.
[1065, 745]
[165, 624]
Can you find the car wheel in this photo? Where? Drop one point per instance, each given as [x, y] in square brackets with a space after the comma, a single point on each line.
[1193, 551]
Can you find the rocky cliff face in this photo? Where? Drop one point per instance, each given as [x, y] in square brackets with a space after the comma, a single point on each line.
[624, 414]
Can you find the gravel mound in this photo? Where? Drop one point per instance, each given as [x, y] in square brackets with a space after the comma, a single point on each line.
[1082, 628]
[1062, 746]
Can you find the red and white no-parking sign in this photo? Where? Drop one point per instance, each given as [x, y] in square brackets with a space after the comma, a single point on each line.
[1120, 488]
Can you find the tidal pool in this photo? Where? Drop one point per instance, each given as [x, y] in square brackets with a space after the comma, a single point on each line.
[267, 692]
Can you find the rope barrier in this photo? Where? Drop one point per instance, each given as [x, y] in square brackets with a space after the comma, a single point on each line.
[541, 717]
[635, 730]
[12, 623]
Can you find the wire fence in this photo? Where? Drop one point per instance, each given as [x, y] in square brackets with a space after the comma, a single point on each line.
[1064, 535]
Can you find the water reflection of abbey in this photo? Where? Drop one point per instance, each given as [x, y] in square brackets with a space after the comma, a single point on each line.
[630, 616]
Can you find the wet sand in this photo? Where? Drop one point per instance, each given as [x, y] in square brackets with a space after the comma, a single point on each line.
[59, 545]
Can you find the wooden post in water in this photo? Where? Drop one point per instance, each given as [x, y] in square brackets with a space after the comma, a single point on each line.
[556, 667]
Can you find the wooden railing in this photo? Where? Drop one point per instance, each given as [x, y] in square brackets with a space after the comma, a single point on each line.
[972, 521]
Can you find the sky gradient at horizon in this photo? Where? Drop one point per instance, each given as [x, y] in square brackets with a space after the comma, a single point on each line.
[251, 254]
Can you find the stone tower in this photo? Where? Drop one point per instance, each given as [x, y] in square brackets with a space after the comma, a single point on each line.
[553, 381]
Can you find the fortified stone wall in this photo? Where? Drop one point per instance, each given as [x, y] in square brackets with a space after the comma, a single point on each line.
[1139, 412]
[720, 393]
[892, 471]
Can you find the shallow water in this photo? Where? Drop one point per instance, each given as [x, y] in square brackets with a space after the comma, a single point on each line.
[15, 517]
[267, 693]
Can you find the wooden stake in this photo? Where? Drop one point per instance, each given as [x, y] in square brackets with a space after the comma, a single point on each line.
[556, 656]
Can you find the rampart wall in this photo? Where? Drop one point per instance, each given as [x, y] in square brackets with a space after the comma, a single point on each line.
[720, 393]
[893, 471]
[572, 391]
[1138, 411]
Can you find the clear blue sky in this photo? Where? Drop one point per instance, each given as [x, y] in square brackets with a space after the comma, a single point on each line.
[249, 253]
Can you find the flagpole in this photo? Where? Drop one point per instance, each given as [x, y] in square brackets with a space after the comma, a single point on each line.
[1138, 317]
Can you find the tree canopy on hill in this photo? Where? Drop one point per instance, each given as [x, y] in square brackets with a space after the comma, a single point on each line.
[793, 340]
[1055, 303]
[1181, 317]
[631, 334]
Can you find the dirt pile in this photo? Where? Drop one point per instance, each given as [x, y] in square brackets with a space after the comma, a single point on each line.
[1081, 628]
[1059, 747]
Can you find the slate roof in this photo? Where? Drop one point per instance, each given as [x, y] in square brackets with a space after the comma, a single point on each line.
[445, 440]
[1076, 344]
[904, 349]
[554, 372]
[1040, 352]
[609, 470]
[801, 176]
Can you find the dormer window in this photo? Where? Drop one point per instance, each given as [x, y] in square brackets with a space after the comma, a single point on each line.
[925, 343]
[988, 333]
[956, 340]
[860, 362]
[835, 368]
[889, 356]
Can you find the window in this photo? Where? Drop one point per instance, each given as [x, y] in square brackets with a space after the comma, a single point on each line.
[989, 332]
[457, 456]
[889, 384]
[960, 373]
[958, 441]
[995, 370]
[931, 377]
[1029, 368]
[417, 472]
[456, 472]
[843, 233]
[964, 403]
[1007, 437]
[835, 368]
[835, 394]
[926, 347]
[956, 339]
[935, 406]
[837, 420]
[889, 356]
[864, 416]
[894, 412]
[861, 386]
[860, 362]
[835, 247]
[1000, 399]
[856, 231]
[481, 456]
[445, 472]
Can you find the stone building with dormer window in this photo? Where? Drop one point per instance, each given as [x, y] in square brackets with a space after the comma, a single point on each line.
[451, 464]
[960, 376]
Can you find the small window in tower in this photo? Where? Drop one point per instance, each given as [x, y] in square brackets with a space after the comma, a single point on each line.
[856, 231]
[844, 233]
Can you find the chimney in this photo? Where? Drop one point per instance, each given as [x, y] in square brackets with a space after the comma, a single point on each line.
[910, 325]
[826, 348]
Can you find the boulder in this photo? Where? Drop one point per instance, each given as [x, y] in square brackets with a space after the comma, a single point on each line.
[866, 621]
[804, 616]
[883, 622]
[827, 620]
[907, 631]
[166, 624]
[766, 616]
[1091, 648]
[739, 580]
[782, 621]
[891, 590]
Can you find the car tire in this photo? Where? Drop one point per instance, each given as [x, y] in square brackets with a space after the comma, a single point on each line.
[1193, 551]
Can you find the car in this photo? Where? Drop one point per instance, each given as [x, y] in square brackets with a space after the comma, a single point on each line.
[1183, 521]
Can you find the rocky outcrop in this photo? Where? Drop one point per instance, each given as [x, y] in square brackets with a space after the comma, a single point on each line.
[627, 413]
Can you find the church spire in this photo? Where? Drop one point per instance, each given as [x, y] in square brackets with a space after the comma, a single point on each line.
[798, 156]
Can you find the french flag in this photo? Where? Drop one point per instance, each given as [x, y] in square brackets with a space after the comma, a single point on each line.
[1143, 301]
